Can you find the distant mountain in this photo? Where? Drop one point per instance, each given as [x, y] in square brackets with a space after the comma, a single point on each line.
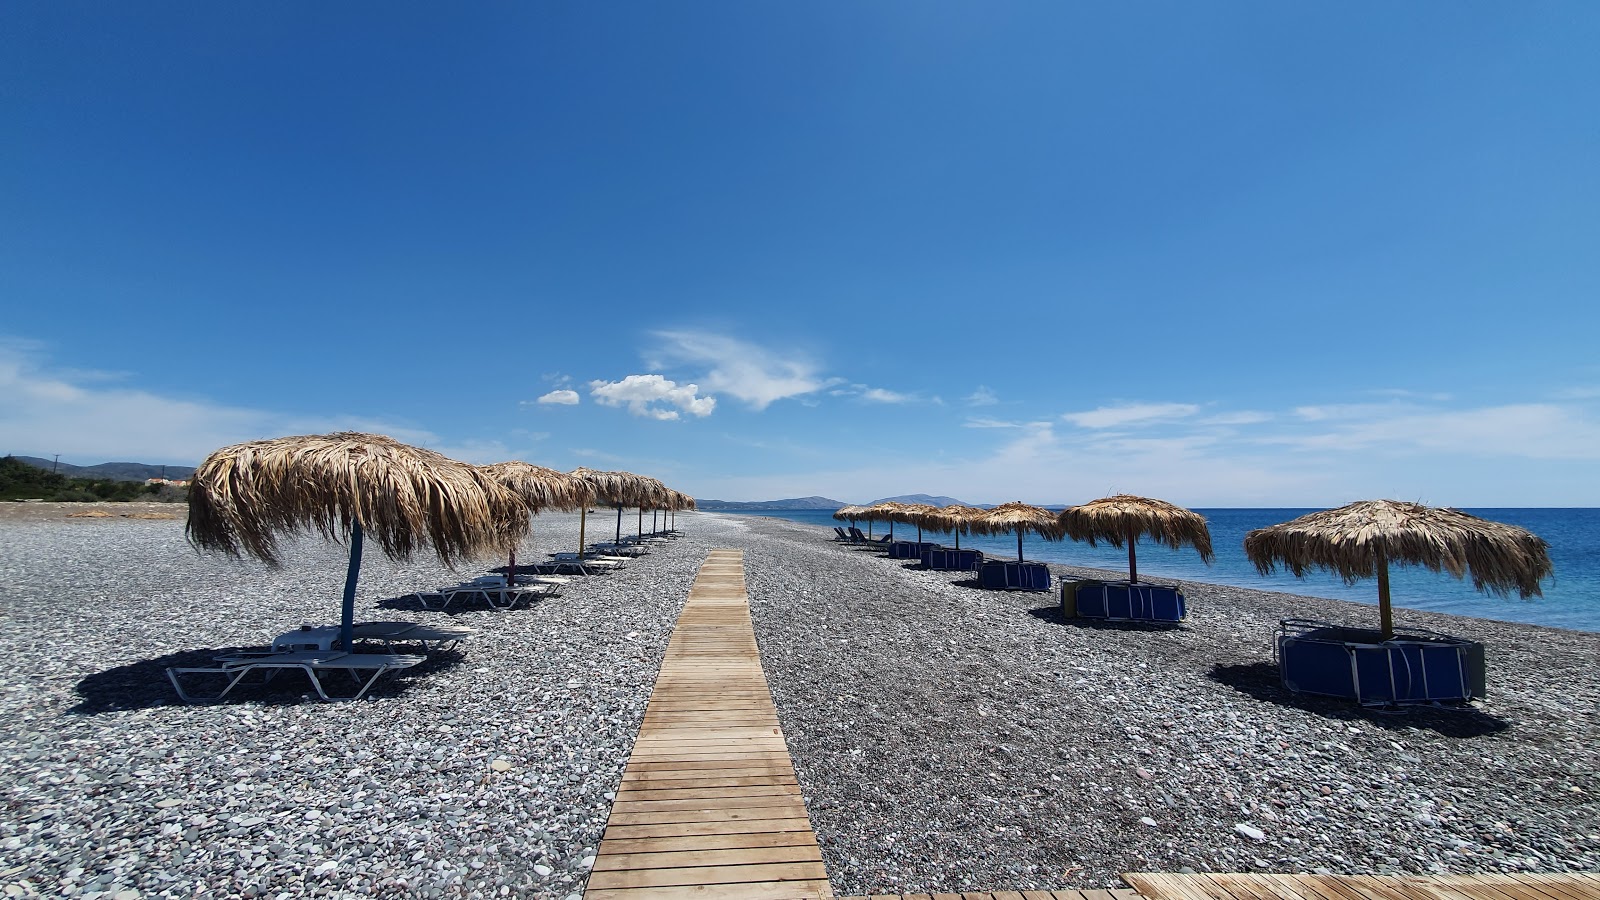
[111, 471]
[795, 503]
[928, 499]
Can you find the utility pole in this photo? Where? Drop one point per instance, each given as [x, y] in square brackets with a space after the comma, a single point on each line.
[54, 464]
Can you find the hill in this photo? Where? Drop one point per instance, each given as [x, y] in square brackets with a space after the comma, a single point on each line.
[111, 471]
[793, 503]
[928, 499]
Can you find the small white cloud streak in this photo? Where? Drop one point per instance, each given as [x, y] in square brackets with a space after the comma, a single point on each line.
[561, 398]
[879, 395]
[644, 394]
[750, 373]
[1130, 414]
[982, 397]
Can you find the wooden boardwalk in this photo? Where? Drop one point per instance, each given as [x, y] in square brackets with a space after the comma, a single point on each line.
[1576, 886]
[709, 805]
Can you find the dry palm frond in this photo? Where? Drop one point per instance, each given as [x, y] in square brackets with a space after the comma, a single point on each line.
[539, 487]
[883, 511]
[913, 514]
[1126, 518]
[1019, 517]
[610, 488]
[955, 517]
[1354, 541]
[244, 496]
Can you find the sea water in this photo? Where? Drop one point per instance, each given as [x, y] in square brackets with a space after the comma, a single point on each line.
[1571, 598]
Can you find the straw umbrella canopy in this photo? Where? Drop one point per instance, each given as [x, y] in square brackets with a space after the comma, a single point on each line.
[848, 513]
[1125, 518]
[955, 518]
[540, 488]
[1021, 518]
[345, 486]
[1361, 539]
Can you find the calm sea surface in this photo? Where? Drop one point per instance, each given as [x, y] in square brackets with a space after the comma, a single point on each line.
[1571, 600]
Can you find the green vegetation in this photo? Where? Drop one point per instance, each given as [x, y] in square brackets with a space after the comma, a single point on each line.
[21, 481]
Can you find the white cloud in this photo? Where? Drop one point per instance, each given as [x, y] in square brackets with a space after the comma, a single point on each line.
[91, 417]
[1527, 430]
[755, 375]
[1243, 417]
[879, 395]
[562, 398]
[982, 397]
[641, 394]
[1130, 414]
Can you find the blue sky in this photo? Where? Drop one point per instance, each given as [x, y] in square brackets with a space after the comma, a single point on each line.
[1228, 254]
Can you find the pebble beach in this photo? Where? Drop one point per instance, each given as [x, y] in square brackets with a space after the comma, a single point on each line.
[946, 738]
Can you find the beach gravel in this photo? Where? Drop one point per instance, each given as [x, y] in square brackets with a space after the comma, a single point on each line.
[946, 738]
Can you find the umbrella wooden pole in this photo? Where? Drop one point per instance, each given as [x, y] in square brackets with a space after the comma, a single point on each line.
[1385, 612]
[641, 521]
[1019, 544]
[619, 524]
[1133, 564]
[347, 618]
[583, 516]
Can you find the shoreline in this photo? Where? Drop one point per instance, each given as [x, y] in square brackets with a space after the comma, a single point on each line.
[946, 738]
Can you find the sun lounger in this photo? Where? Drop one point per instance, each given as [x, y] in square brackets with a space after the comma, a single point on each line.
[863, 539]
[494, 591]
[430, 637]
[842, 536]
[363, 668]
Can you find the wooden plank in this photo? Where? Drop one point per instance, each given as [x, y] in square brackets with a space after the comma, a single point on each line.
[707, 875]
[1243, 887]
[645, 795]
[731, 856]
[1555, 888]
[784, 890]
[678, 843]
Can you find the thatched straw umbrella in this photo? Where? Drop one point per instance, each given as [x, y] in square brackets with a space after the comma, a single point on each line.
[617, 489]
[914, 514]
[540, 488]
[1359, 540]
[1126, 518]
[678, 500]
[344, 486]
[883, 511]
[652, 493]
[955, 518]
[1021, 518]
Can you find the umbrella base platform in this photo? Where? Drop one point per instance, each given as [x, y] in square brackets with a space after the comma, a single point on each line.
[1122, 601]
[945, 560]
[1009, 575]
[1419, 666]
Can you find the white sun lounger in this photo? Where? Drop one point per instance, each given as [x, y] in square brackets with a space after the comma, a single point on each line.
[364, 668]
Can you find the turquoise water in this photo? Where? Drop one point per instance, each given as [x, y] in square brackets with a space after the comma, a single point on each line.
[1571, 599]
